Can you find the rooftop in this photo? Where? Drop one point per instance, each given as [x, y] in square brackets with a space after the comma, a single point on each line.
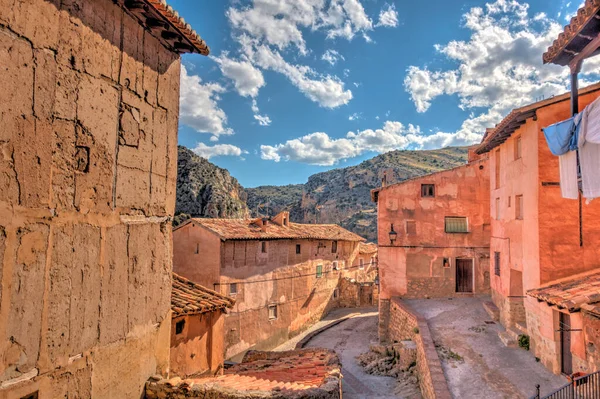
[367, 248]
[249, 229]
[189, 298]
[518, 116]
[166, 24]
[581, 31]
[571, 294]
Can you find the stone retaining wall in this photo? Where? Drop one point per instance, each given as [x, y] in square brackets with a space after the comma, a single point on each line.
[404, 324]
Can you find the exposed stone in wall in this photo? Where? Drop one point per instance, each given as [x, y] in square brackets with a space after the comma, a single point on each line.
[87, 180]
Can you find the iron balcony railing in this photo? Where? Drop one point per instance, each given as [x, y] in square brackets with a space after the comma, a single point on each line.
[584, 387]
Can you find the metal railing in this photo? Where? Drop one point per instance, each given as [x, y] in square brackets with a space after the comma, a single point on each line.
[584, 387]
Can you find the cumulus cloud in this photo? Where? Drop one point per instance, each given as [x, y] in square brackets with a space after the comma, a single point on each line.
[332, 57]
[388, 16]
[320, 149]
[263, 120]
[496, 69]
[246, 78]
[355, 116]
[208, 152]
[199, 107]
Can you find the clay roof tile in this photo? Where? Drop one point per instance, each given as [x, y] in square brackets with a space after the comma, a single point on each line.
[188, 297]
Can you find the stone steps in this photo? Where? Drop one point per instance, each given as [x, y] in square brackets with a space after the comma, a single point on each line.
[492, 310]
[521, 326]
[507, 339]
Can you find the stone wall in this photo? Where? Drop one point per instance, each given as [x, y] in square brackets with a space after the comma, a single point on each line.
[406, 324]
[353, 294]
[87, 188]
[512, 310]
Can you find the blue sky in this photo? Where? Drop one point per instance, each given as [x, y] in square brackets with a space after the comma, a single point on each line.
[295, 87]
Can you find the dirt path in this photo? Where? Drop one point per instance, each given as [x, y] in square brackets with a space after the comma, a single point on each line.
[350, 339]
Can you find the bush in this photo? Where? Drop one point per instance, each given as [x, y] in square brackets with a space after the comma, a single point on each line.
[524, 341]
[416, 330]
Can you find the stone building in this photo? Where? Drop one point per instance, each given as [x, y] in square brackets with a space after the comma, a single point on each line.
[433, 234]
[538, 237]
[284, 276]
[88, 146]
[197, 336]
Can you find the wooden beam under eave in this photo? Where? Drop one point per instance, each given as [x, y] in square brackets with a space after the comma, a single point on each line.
[586, 52]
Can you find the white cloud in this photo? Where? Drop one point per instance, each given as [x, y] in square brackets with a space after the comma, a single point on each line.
[355, 116]
[198, 105]
[208, 152]
[332, 57]
[263, 120]
[320, 149]
[246, 78]
[388, 16]
[497, 69]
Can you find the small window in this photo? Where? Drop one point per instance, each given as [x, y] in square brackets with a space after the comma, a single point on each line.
[456, 224]
[233, 289]
[272, 312]
[361, 263]
[319, 271]
[519, 207]
[518, 147]
[298, 248]
[509, 201]
[263, 247]
[411, 228]
[179, 326]
[336, 293]
[336, 265]
[285, 221]
[427, 190]
[497, 263]
[446, 263]
[197, 251]
[334, 247]
[497, 208]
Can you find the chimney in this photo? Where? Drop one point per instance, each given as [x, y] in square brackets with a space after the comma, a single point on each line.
[264, 224]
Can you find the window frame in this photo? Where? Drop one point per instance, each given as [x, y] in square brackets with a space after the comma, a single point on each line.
[466, 220]
[519, 214]
[361, 264]
[263, 247]
[319, 271]
[518, 147]
[496, 263]
[179, 327]
[427, 190]
[334, 247]
[272, 307]
[233, 292]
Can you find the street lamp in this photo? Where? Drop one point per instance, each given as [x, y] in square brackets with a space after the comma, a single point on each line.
[393, 235]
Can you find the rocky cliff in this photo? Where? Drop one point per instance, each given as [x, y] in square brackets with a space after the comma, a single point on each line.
[205, 190]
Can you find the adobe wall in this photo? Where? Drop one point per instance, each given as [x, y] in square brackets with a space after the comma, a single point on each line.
[87, 189]
[413, 265]
[199, 348]
[283, 278]
[196, 255]
[406, 324]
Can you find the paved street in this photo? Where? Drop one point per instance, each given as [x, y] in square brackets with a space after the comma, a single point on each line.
[489, 369]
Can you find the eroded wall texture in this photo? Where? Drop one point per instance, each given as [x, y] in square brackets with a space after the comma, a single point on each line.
[88, 151]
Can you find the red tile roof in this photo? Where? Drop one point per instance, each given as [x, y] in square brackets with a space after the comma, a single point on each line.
[571, 294]
[166, 24]
[247, 229]
[518, 116]
[280, 371]
[584, 26]
[188, 297]
[367, 248]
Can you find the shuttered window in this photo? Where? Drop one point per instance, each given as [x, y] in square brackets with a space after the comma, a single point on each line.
[411, 228]
[427, 190]
[497, 263]
[272, 312]
[456, 224]
[319, 271]
[518, 147]
[519, 207]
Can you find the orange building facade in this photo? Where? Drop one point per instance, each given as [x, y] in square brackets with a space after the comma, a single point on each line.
[440, 241]
[283, 276]
[537, 237]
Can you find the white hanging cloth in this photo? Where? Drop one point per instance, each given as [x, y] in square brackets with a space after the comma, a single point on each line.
[589, 150]
[569, 187]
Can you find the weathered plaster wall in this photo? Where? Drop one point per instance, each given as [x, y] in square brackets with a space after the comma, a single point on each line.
[283, 278]
[413, 265]
[196, 255]
[199, 349]
[87, 183]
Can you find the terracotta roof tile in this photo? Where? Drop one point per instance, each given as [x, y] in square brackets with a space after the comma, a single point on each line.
[247, 229]
[575, 36]
[367, 248]
[188, 297]
[571, 294]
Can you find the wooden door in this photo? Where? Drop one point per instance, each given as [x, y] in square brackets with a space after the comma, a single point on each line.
[565, 344]
[464, 275]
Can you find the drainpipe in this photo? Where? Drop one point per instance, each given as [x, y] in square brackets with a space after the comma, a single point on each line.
[574, 110]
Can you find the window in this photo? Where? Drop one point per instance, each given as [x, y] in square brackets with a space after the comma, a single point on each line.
[263, 247]
[319, 271]
[272, 312]
[509, 201]
[336, 293]
[334, 247]
[179, 326]
[197, 251]
[233, 289]
[285, 221]
[497, 162]
[497, 208]
[298, 248]
[497, 263]
[335, 265]
[446, 263]
[361, 263]
[518, 147]
[456, 224]
[427, 190]
[519, 207]
[411, 228]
